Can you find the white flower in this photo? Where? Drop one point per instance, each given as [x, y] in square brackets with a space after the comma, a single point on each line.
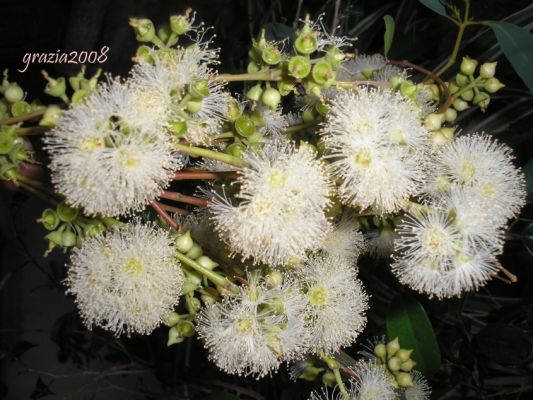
[378, 147]
[283, 196]
[274, 121]
[337, 303]
[126, 280]
[254, 331]
[373, 384]
[484, 166]
[373, 66]
[420, 389]
[344, 242]
[105, 163]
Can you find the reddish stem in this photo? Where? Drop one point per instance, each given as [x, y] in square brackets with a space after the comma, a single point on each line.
[157, 208]
[173, 209]
[205, 175]
[447, 97]
[183, 198]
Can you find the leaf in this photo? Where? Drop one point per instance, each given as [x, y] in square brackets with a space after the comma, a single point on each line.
[528, 171]
[517, 45]
[408, 321]
[505, 344]
[389, 34]
[434, 5]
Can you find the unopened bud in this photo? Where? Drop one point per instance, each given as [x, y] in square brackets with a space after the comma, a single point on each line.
[460, 105]
[184, 242]
[468, 65]
[392, 347]
[488, 70]
[13, 93]
[254, 93]
[51, 116]
[195, 252]
[206, 262]
[171, 319]
[271, 98]
[404, 379]
[404, 354]
[434, 121]
[492, 85]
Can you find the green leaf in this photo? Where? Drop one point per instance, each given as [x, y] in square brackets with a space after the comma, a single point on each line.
[528, 171]
[434, 5]
[408, 321]
[517, 45]
[389, 34]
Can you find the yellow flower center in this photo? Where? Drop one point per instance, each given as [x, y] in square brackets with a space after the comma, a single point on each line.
[133, 266]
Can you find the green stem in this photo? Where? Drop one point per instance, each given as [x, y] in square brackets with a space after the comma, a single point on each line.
[269, 75]
[212, 276]
[36, 184]
[340, 384]
[38, 193]
[472, 85]
[353, 84]
[214, 155]
[23, 117]
[225, 135]
[298, 127]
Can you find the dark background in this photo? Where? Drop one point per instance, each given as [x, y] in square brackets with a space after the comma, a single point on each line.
[485, 338]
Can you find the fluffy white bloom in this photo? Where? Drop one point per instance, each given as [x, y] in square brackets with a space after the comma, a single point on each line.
[283, 195]
[484, 166]
[373, 66]
[126, 280]
[254, 331]
[274, 121]
[378, 147]
[337, 303]
[344, 242]
[420, 389]
[103, 161]
[433, 256]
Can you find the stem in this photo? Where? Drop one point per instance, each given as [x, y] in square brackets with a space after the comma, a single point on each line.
[269, 75]
[512, 277]
[205, 175]
[340, 384]
[36, 192]
[214, 155]
[212, 276]
[297, 127]
[224, 135]
[352, 84]
[173, 209]
[37, 185]
[32, 131]
[23, 117]
[157, 208]
[183, 198]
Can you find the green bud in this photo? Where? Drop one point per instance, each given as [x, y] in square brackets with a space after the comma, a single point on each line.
[234, 111]
[404, 379]
[328, 379]
[468, 66]
[235, 149]
[434, 90]
[254, 93]
[177, 127]
[438, 139]
[453, 88]
[193, 304]
[49, 219]
[461, 79]
[199, 88]
[52, 114]
[185, 327]
[407, 365]
[208, 299]
[180, 24]
[20, 108]
[306, 43]
[13, 93]
[450, 115]
[253, 67]
[392, 347]
[255, 138]
[335, 56]
[310, 373]
[395, 81]
[404, 354]
[488, 70]
[144, 53]
[492, 85]
[164, 33]
[66, 213]
[271, 98]
[285, 87]
[94, 229]
[55, 237]
[184, 242]
[171, 319]
[323, 73]
[447, 133]
[380, 351]
[144, 29]
[394, 364]
[78, 96]
[467, 95]
[460, 105]
[481, 100]
[195, 252]
[174, 336]
[194, 106]
[207, 263]
[68, 238]
[313, 88]
[408, 89]
[6, 143]
[244, 126]
[56, 87]
[434, 121]
[271, 55]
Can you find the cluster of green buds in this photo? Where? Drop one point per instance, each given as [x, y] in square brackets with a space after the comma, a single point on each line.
[435, 123]
[68, 227]
[12, 152]
[57, 87]
[415, 91]
[167, 35]
[473, 85]
[246, 129]
[180, 327]
[396, 361]
[13, 103]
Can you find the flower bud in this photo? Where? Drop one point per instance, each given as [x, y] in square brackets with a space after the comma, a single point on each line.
[207, 263]
[7, 142]
[254, 93]
[234, 111]
[180, 24]
[404, 354]
[49, 219]
[461, 79]
[407, 365]
[252, 67]
[323, 73]
[453, 88]
[404, 379]
[66, 213]
[13, 93]
[310, 373]
[194, 106]
[195, 252]
[193, 304]
[164, 33]
[144, 53]
[380, 351]
[468, 65]
[144, 29]
[392, 347]
[174, 336]
[68, 238]
[93, 229]
[434, 121]
[482, 100]
[185, 327]
[447, 132]
[408, 89]
[306, 43]
[235, 149]
[335, 56]
[488, 70]
[208, 298]
[271, 98]
[244, 126]
[184, 242]
[328, 379]
[460, 105]
[467, 95]
[394, 364]
[20, 108]
[285, 87]
[177, 127]
[450, 115]
[51, 116]
[492, 85]
[171, 319]
[199, 89]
